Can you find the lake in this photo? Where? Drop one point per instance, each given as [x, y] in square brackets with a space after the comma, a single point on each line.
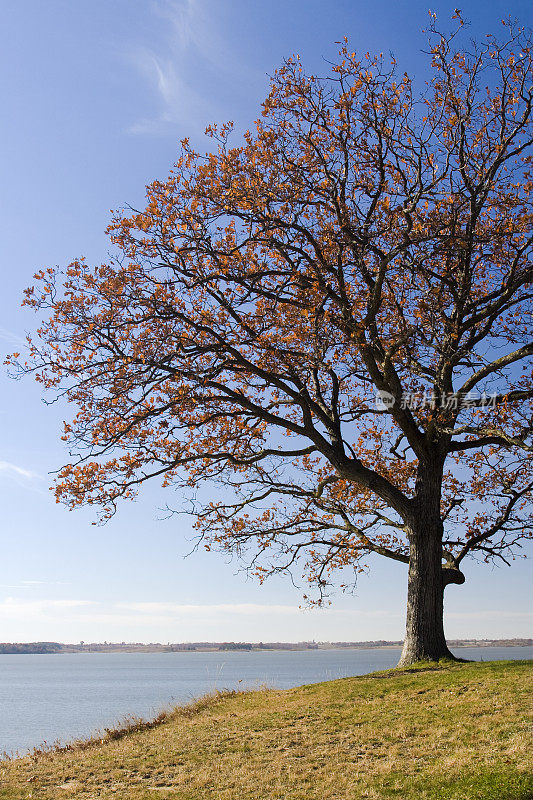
[46, 698]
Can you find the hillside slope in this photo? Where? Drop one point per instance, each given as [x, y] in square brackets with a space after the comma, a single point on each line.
[460, 732]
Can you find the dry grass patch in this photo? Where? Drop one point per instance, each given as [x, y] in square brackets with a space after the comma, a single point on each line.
[459, 732]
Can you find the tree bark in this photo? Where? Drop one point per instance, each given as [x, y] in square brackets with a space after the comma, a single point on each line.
[427, 579]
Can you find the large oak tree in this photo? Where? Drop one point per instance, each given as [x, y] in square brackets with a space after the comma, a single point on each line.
[330, 319]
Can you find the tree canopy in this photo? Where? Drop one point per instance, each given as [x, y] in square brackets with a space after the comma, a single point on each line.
[330, 318]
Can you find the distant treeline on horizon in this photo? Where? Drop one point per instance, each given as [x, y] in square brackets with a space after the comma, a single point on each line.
[134, 647]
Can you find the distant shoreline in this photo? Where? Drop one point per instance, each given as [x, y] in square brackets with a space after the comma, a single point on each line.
[41, 648]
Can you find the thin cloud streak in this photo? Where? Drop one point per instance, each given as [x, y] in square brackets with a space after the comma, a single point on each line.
[8, 468]
[244, 609]
[180, 103]
[12, 338]
[190, 37]
[13, 608]
[188, 21]
[170, 611]
[162, 610]
[92, 620]
[197, 608]
[33, 584]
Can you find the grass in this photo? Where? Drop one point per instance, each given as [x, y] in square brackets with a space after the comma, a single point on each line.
[441, 732]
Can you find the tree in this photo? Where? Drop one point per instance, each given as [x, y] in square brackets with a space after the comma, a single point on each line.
[332, 320]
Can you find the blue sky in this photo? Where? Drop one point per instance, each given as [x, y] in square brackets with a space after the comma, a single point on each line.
[95, 97]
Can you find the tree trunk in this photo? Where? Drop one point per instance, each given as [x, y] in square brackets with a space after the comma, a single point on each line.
[424, 638]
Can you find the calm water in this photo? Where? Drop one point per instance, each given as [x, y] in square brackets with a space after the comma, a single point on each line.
[44, 698]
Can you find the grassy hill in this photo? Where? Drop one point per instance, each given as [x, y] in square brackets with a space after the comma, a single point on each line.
[456, 732]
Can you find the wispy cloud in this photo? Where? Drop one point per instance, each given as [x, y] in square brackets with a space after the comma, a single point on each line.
[13, 470]
[178, 101]
[27, 619]
[13, 608]
[171, 609]
[490, 615]
[11, 338]
[33, 584]
[189, 37]
[153, 611]
[188, 21]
